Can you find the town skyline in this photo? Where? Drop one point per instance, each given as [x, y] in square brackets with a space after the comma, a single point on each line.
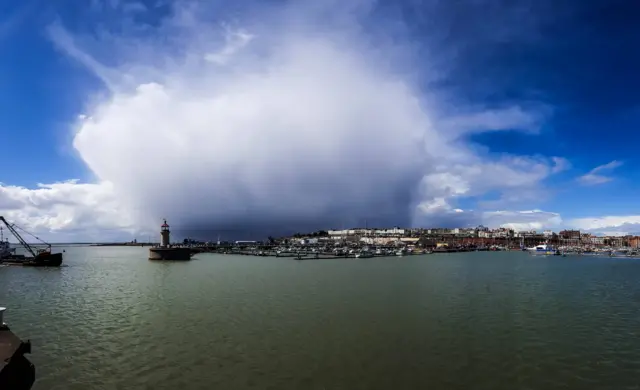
[479, 231]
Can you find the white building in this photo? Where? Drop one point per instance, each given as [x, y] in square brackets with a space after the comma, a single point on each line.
[390, 232]
[441, 231]
[594, 240]
[367, 232]
[528, 233]
[340, 233]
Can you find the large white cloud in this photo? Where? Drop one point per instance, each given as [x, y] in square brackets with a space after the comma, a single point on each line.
[67, 211]
[523, 220]
[620, 225]
[288, 120]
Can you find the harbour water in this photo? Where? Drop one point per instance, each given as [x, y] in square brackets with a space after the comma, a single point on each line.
[111, 319]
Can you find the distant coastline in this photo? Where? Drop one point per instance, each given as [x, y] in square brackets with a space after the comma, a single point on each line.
[60, 244]
[126, 244]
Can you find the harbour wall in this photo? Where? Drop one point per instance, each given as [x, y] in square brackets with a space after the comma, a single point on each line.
[178, 253]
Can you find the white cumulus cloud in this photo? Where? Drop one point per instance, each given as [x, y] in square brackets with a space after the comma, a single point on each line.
[66, 211]
[527, 220]
[620, 225]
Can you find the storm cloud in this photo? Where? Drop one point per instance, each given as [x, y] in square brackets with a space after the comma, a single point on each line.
[288, 117]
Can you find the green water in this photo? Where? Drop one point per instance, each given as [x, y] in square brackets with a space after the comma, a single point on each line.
[111, 319]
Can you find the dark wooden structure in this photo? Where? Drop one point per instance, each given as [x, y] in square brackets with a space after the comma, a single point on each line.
[16, 372]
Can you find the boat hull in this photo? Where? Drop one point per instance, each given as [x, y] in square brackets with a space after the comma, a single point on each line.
[49, 260]
[41, 260]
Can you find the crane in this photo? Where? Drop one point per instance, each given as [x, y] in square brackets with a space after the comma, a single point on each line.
[42, 257]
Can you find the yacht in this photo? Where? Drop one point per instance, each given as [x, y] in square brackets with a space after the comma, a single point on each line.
[538, 248]
[364, 254]
[543, 249]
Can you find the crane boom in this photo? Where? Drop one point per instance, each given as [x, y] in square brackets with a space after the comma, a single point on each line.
[17, 236]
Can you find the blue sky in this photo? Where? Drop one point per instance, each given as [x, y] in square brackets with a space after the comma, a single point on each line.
[542, 81]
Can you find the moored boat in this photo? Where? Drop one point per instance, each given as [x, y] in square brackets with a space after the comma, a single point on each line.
[364, 254]
[45, 259]
[542, 249]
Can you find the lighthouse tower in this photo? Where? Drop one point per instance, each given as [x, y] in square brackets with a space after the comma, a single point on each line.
[164, 235]
[165, 251]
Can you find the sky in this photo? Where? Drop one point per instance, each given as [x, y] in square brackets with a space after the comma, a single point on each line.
[252, 118]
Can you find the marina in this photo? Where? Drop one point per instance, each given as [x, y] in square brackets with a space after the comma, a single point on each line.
[309, 252]
[326, 252]
[303, 254]
[398, 242]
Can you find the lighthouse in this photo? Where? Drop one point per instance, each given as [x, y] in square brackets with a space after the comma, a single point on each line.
[165, 251]
[164, 235]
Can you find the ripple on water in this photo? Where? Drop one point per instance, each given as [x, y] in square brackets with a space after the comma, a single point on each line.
[113, 320]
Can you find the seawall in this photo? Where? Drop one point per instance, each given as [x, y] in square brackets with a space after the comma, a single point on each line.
[158, 253]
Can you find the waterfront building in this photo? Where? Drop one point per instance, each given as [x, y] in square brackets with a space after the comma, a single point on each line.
[570, 234]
